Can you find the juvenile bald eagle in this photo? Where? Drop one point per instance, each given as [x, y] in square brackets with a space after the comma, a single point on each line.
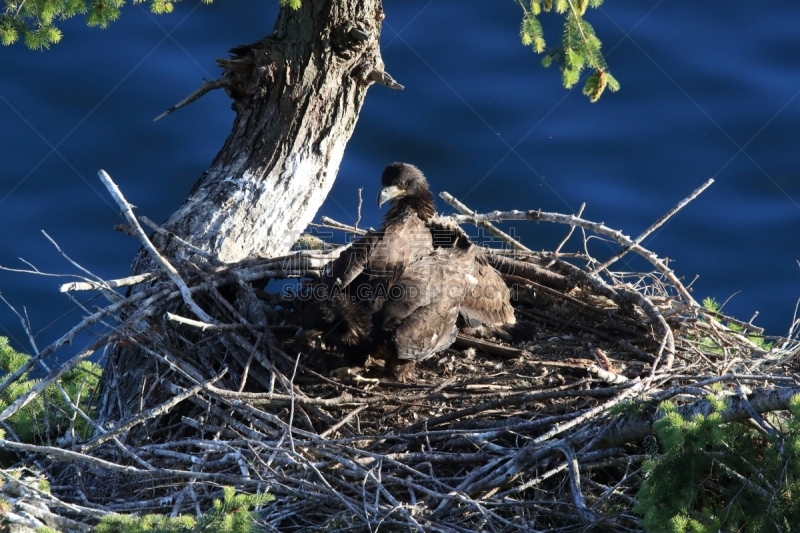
[397, 292]
[354, 282]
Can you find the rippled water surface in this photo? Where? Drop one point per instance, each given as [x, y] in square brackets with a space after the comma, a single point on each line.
[707, 91]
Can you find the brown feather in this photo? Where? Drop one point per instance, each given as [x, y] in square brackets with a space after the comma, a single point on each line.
[382, 253]
[419, 317]
[489, 303]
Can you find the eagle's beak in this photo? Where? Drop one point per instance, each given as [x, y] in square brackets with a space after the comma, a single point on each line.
[387, 193]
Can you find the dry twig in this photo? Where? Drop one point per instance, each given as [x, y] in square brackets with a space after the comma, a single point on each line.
[490, 436]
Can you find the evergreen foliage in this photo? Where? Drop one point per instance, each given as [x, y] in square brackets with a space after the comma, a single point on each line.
[233, 514]
[707, 344]
[34, 21]
[49, 414]
[632, 408]
[579, 48]
[722, 477]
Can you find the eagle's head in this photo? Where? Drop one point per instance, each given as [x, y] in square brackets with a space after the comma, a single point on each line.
[406, 187]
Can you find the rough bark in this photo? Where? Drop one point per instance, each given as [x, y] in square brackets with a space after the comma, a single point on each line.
[761, 400]
[297, 94]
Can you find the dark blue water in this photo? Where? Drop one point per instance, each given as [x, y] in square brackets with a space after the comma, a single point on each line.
[706, 92]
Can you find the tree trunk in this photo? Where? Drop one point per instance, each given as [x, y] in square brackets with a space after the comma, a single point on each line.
[297, 94]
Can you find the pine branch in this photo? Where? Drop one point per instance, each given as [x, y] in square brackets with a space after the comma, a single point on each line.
[761, 400]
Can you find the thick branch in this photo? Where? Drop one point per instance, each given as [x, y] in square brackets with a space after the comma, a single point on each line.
[762, 400]
[596, 227]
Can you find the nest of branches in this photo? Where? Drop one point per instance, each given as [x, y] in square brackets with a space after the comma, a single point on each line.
[489, 437]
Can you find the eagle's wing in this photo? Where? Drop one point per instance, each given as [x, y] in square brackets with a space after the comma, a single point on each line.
[419, 316]
[383, 253]
[351, 261]
[343, 322]
[489, 302]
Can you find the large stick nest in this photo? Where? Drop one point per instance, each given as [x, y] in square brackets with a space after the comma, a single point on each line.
[489, 437]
